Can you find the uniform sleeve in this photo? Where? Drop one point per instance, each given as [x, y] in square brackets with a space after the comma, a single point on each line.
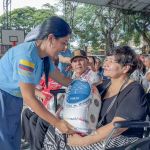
[132, 105]
[24, 69]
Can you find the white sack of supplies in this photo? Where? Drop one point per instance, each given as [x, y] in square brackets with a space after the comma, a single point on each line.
[82, 106]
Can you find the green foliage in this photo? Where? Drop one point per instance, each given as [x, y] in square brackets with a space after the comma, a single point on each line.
[138, 28]
[137, 39]
[97, 27]
[28, 17]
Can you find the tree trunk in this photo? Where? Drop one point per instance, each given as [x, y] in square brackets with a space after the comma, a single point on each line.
[109, 41]
[146, 39]
[143, 33]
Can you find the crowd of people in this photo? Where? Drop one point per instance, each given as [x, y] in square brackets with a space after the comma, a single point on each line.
[119, 91]
[44, 62]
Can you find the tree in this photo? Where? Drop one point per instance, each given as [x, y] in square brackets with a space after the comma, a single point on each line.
[142, 25]
[96, 26]
[28, 17]
[137, 27]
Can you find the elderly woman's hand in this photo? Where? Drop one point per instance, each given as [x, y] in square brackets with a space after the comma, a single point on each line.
[64, 127]
[77, 140]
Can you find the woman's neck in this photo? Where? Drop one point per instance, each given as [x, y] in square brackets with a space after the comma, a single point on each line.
[40, 48]
[116, 85]
[118, 81]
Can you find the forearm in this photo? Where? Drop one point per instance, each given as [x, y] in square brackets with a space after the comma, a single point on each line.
[65, 81]
[28, 94]
[101, 134]
[60, 78]
[39, 94]
[63, 59]
[40, 110]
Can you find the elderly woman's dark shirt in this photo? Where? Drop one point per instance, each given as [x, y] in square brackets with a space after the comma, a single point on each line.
[129, 105]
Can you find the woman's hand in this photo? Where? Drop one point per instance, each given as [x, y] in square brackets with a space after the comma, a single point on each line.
[64, 127]
[39, 94]
[42, 96]
[77, 140]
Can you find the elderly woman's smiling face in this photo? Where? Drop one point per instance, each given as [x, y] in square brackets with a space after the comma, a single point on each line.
[112, 68]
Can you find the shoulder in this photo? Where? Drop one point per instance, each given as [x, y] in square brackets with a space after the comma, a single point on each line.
[134, 91]
[135, 85]
[24, 49]
[26, 45]
[26, 57]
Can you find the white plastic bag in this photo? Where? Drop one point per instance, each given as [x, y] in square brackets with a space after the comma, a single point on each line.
[82, 106]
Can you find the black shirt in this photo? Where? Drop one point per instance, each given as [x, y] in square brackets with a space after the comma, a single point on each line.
[129, 105]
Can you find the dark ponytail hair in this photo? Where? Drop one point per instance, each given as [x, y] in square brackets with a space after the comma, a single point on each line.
[53, 25]
[59, 28]
[46, 69]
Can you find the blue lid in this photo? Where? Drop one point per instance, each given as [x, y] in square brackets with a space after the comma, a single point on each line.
[79, 91]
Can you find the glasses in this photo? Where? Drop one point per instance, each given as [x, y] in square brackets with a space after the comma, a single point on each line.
[110, 60]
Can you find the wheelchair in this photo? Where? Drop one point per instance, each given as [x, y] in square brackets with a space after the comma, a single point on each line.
[141, 144]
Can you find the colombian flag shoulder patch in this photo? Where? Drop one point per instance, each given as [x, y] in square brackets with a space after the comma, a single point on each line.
[26, 65]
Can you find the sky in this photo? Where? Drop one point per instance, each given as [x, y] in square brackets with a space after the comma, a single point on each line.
[23, 3]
